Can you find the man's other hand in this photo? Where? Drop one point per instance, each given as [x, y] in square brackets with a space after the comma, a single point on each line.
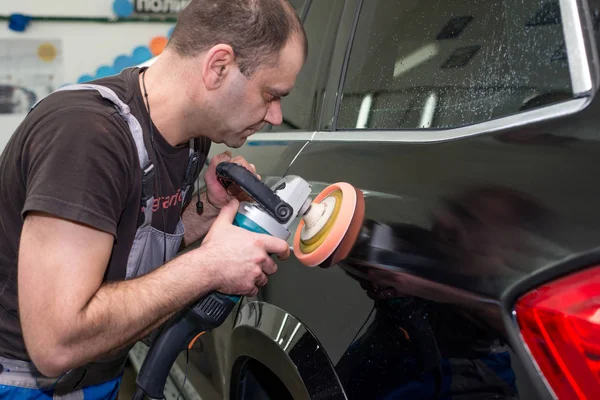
[216, 194]
[241, 260]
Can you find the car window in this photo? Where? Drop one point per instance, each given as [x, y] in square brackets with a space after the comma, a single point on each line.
[444, 64]
[301, 105]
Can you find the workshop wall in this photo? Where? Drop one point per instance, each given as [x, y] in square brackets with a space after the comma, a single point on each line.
[45, 44]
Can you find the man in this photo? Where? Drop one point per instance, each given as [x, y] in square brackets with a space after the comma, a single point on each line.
[93, 184]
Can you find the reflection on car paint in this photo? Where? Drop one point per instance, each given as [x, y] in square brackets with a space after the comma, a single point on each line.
[481, 241]
[288, 334]
[415, 348]
[428, 338]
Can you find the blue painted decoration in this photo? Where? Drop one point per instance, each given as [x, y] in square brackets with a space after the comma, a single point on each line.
[104, 71]
[85, 78]
[122, 62]
[141, 54]
[123, 8]
[18, 22]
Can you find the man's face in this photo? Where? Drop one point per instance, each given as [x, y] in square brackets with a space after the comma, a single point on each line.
[250, 103]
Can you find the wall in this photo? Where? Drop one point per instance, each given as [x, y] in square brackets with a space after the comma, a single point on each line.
[93, 8]
[84, 47]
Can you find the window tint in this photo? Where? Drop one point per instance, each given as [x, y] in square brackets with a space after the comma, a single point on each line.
[440, 64]
[300, 107]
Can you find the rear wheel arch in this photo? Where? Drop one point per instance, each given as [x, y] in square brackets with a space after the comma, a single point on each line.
[269, 342]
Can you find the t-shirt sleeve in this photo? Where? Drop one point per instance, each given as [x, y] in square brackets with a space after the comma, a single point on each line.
[78, 166]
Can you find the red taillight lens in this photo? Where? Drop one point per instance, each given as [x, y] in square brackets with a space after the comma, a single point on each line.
[560, 323]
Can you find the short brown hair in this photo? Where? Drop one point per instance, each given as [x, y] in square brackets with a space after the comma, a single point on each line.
[255, 29]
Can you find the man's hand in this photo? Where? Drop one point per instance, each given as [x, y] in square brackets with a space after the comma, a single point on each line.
[240, 259]
[214, 198]
[216, 194]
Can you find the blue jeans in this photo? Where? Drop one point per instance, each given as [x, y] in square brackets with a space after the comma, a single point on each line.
[105, 391]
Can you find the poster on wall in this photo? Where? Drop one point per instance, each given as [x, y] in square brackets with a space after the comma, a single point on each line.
[29, 70]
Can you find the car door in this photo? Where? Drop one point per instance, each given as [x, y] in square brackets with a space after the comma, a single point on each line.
[470, 126]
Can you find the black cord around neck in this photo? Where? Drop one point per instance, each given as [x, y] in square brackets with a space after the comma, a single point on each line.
[199, 204]
[148, 107]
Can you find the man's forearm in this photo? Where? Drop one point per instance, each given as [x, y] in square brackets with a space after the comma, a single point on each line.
[197, 226]
[105, 324]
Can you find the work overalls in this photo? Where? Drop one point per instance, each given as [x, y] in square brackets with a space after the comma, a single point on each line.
[150, 249]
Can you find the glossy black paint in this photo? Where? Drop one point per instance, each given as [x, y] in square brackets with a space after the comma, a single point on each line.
[463, 259]
[259, 323]
[455, 232]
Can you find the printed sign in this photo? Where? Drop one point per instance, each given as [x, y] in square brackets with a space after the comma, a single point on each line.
[29, 70]
[160, 7]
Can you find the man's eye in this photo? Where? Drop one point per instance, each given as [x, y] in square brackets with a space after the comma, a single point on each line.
[269, 97]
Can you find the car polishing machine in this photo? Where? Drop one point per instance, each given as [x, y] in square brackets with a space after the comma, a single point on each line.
[328, 228]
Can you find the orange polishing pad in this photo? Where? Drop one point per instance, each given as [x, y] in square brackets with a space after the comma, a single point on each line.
[342, 231]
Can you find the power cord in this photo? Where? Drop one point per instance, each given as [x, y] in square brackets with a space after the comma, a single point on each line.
[198, 205]
[55, 382]
[363, 325]
[187, 361]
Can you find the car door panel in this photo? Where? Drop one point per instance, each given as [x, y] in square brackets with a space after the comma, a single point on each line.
[486, 203]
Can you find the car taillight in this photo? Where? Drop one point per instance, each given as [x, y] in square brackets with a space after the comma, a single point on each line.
[560, 323]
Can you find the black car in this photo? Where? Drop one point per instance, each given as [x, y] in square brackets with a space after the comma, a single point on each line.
[473, 130]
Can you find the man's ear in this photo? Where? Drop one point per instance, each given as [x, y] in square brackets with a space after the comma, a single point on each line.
[217, 64]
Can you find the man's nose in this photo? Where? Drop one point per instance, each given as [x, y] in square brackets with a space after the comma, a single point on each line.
[274, 115]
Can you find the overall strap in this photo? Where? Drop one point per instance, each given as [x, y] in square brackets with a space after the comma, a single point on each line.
[192, 169]
[147, 197]
[135, 128]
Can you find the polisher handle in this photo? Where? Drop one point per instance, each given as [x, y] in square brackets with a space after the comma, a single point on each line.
[177, 334]
[228, 172]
